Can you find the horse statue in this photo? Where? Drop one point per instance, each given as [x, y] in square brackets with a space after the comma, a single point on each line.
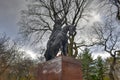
[59, 42]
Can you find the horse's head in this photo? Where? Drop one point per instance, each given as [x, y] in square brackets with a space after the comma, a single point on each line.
[69, 28]
[72, 30]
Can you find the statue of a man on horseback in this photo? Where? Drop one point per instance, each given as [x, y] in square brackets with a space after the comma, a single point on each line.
[58, 41]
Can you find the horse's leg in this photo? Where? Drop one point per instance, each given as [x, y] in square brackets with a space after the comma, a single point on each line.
[56, 51]
[65, 48]
[62, 48]
[53, 52]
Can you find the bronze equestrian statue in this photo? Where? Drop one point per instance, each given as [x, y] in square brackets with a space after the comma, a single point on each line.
[59, 41]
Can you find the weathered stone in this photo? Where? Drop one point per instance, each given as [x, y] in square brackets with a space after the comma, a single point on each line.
[60, 68]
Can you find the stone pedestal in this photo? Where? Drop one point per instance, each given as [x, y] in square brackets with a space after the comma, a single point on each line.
[60, 68]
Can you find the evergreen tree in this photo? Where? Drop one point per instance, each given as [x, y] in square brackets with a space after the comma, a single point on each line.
[100, 68]
[87, 64]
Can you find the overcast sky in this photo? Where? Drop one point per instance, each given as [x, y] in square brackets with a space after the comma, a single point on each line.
[9, 16]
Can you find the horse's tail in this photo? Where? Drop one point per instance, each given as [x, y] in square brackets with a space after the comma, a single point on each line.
[46, 55]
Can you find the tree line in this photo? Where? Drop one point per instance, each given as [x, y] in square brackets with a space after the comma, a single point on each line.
[15, 66]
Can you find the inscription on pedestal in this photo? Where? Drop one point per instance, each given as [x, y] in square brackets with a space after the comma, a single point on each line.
[60, 68]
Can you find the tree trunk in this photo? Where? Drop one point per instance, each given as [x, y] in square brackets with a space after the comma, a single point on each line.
[72, 48]
[112, 70]
[111, 75]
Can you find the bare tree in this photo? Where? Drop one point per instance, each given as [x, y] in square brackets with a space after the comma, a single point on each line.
[108, 37]
[117, 4]
[42, 16]
[22, 68]
[7, 53]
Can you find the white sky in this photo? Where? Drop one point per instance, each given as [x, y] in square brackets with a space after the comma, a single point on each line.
[29, 52]
[104, 55]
